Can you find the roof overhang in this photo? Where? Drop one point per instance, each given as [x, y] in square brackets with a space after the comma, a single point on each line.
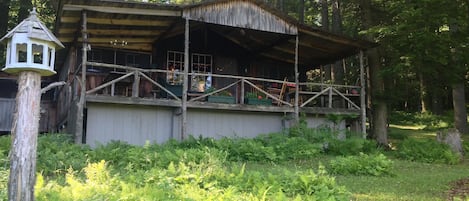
[251, 24]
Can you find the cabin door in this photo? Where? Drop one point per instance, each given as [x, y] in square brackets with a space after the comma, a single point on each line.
[225, 66]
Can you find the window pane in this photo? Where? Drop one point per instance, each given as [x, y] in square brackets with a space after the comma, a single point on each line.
[21, 52]
[38, 53]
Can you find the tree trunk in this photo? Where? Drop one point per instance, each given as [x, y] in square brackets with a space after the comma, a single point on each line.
[324, 15]
[301, 11]
[459, 105]
[423, 93]
[378, 103]
[325, 26]
[280, 5]
[336, 17]
[24, 134]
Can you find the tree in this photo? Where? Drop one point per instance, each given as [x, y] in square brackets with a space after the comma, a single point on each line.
[379, 109]
[4, 11]
[24, 9]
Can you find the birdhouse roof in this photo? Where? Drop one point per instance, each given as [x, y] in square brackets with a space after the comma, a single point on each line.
[34, 28]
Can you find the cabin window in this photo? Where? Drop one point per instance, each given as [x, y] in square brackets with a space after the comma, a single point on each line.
[131, 60]
[21, 50]
[175, 66]
[201, 63]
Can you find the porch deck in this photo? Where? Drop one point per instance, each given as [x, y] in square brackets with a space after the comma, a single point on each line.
[118, 84]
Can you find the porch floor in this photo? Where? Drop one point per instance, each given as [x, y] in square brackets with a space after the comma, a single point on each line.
[97, 98]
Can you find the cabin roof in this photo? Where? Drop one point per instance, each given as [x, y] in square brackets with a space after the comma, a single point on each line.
[251, 24]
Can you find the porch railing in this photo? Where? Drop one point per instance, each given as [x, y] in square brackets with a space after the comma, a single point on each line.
[310, 94]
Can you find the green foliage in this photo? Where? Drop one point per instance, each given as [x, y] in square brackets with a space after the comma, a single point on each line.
[362, 164]
[351, 146]
[465, 146]
[4, 174]
[198, 174]
[430, 121]
[427, 150]
[56, 153]
[291, 148]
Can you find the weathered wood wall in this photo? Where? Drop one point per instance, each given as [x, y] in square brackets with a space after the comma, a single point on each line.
[7, 108]
[240, 14]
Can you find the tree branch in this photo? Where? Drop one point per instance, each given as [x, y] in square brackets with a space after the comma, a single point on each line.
[52, 85]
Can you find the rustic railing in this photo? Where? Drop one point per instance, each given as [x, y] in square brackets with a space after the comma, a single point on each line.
[311, 94]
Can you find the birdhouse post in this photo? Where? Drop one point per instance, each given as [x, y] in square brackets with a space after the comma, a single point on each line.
[30, 54]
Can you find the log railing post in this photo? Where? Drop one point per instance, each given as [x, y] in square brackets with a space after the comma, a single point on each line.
[242, 92]
[136, 84]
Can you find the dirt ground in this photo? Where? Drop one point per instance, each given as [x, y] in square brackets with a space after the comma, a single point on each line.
[459, 190]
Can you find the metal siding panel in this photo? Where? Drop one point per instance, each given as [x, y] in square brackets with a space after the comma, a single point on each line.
[241, 14]
[135, 125]
[216, 124]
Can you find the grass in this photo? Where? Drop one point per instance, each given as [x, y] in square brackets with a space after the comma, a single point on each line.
[412, 181]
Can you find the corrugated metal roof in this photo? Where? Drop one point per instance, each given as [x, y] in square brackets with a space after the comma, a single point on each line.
[143, 24]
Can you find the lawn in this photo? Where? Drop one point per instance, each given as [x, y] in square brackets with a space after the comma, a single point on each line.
[295, 165]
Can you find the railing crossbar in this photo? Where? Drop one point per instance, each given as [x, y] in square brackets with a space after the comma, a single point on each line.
[214, 92]
[267, 94]
[159, 86]
[109, 83]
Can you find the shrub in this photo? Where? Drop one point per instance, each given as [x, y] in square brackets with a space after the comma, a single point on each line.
[351, 146]
[4, 174]
[56, 153]
[362, 164]
[428, 151]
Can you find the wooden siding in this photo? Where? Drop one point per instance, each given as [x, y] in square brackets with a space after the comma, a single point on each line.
[7, 108]
[240, 14]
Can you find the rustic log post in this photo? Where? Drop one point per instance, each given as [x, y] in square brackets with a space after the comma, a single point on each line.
[362, 96]
[81, 103]
[136, 84]
[185, 80]
[242, 92]
[30, 58]
[297, 82]
[24, 134]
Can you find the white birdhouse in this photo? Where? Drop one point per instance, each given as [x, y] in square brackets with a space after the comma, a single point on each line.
[30, 47]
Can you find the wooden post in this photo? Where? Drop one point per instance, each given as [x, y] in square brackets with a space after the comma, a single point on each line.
[362, 95]
[136, 84]
[297, 82]
[81, 103]
[185, 80]
[242, 92]
[24, 134]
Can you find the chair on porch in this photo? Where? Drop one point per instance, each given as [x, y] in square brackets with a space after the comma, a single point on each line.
[278, 92]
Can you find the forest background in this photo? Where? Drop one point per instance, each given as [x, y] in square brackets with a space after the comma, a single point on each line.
[420, 65]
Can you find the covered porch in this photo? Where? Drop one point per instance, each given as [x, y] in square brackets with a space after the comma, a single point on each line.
[190, 61]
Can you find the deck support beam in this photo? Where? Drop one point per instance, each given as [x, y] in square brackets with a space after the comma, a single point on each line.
[362, 96]
[297, 82]
[185, 81]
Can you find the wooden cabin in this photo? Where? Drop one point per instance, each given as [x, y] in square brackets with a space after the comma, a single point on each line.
[144, 72]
